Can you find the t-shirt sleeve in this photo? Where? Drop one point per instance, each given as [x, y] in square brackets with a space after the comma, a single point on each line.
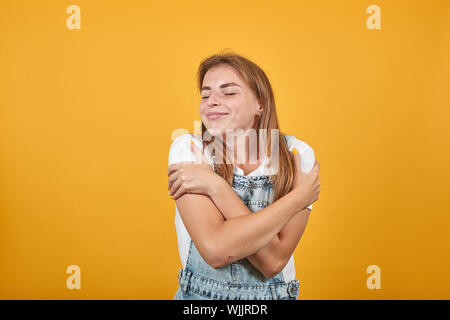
[307, 157]
[180, 149]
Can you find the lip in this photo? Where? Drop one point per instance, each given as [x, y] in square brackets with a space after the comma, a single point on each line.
[215, 115]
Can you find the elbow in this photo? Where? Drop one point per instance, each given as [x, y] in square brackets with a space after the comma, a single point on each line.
[270, 273]
[213, 257]
[220, 256]
[272, 270]
[215, 262]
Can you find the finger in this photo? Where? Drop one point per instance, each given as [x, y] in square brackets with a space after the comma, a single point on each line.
[179, 193]
[177, 166]
[198, 158]
[298, 159]
[296, 153]
[173, 177]
[316, 166]
[175, 186]
[173, 167]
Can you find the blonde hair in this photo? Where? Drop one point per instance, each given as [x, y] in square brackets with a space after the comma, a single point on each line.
[259, 84]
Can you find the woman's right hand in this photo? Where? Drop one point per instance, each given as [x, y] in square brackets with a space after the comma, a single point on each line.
[306, 185]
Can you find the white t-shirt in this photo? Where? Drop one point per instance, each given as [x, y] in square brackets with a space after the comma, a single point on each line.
[180, 151]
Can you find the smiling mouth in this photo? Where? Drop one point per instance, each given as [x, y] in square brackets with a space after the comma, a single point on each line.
[215, 115]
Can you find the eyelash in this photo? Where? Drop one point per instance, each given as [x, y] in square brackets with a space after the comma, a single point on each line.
[227, 94]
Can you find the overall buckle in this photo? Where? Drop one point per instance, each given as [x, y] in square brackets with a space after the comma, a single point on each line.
[293, 288]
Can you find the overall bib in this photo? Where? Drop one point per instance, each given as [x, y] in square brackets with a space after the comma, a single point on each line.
[239, 280]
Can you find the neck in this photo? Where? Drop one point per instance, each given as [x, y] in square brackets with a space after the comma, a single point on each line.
[242, 150]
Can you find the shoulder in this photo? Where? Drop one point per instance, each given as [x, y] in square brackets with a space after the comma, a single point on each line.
[307, 155]
[180, 149]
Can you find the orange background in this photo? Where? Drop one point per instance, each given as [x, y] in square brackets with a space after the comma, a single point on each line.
[87, 115]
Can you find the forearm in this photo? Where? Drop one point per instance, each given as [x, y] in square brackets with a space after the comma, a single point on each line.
[243, 236]
[226, 200]
[230, 205]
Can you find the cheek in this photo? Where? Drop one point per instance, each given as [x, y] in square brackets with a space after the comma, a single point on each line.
[243, 113]
[202, 109]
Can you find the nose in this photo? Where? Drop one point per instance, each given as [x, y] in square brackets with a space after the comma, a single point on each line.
[212, 100]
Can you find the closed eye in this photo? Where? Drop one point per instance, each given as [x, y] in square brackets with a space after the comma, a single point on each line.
[227, 94]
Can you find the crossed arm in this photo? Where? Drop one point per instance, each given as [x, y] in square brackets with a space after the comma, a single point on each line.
[225, 230]
[271, 259]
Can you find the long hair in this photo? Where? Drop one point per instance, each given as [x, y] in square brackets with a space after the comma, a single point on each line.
[259, 84]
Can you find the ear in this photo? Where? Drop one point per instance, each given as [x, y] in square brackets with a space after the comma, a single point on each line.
[260, 108]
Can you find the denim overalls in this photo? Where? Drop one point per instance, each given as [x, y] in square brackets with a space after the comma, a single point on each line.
[239, 280]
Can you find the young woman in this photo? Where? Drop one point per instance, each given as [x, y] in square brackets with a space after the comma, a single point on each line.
[238, 221]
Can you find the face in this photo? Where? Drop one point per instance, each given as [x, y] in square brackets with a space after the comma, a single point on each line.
[227, 102]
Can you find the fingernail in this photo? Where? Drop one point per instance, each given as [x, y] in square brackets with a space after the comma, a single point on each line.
[294, 151]
[169, 193]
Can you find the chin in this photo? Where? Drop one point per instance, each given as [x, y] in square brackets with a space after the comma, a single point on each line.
[215, 130]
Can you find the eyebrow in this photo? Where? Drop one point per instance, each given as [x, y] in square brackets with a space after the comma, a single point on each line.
[229, 84]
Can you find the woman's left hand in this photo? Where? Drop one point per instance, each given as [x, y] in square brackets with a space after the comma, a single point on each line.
[192, 177]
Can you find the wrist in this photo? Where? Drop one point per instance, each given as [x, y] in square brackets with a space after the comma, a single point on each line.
[299, 199]
[216, 187]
